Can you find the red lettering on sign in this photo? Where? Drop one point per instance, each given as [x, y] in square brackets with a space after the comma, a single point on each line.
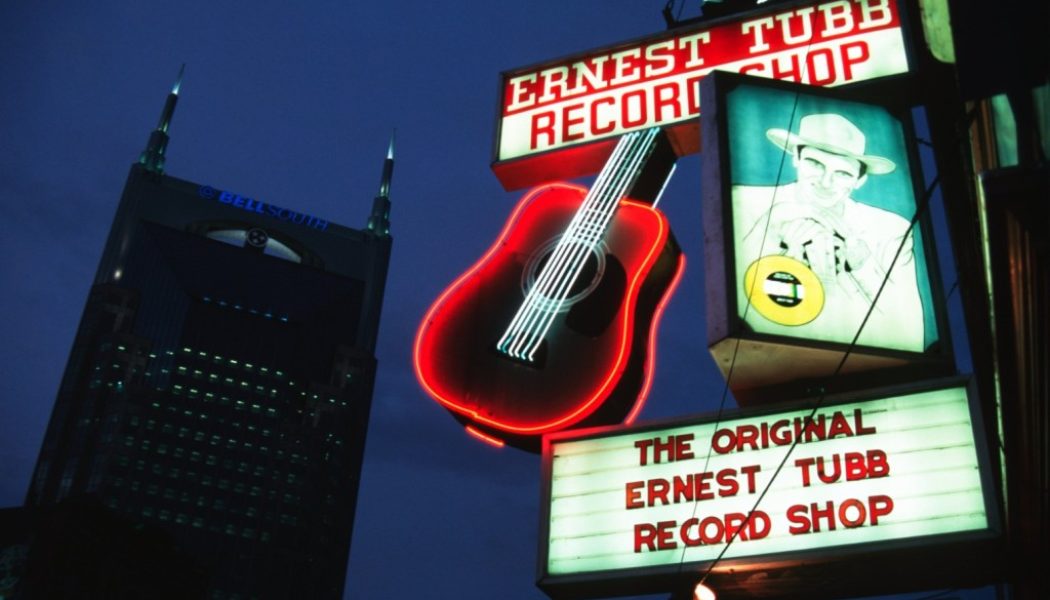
[665, 96]
[871, 464]
[853, 53]
[879, 506]
[750, 471]
[747, 435]
[724, 441]
[706, 531]
[850, 513]
[691, 487]
[659, 536]
[643, 446]
[657, 491]
[859, 513]
[653, 82]
[783, 432]
[644, 535]
[569, 121]
[674, 448]
[542, 125]
[726, 479]
[609, 125]
[634, 496]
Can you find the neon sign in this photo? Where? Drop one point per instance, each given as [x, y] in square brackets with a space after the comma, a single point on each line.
[899, 467]
[553, 328]
[653, 82]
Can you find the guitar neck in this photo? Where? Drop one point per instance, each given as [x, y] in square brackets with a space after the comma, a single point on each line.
[585, 232]
[619, 174]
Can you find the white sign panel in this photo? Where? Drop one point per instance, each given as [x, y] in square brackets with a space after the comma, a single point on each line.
[896, 468]
[650, 82]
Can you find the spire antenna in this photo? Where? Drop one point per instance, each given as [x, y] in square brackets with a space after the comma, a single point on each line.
[153, 157]
[379, 220]
[178, 80]
[388, 168]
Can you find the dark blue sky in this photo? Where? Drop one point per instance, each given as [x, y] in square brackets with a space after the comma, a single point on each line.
[295, 107]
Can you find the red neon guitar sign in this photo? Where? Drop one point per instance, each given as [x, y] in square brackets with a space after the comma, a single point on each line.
[553, 328]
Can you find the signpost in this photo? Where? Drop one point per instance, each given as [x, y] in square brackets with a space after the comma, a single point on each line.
[646, 504]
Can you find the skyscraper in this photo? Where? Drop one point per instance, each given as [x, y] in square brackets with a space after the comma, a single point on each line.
[220, 380]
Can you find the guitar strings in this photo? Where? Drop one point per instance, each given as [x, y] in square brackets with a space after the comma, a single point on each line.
[527, 314]
[555, 271]
[583, 234]
[626, 177]
[564, 252]
[526, 311]
[582, 251]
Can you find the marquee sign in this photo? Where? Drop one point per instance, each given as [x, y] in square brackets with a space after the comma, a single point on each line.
[654, 81]
[652, 500]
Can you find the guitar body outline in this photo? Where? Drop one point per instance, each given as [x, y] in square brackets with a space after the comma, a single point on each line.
[595, 366]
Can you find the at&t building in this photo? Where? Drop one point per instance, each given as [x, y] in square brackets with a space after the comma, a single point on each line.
[220, 381]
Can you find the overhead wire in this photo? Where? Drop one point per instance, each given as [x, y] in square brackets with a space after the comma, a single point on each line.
[747, 308]
[920, 209]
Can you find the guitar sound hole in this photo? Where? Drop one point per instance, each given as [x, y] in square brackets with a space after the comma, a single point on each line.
[587, 281]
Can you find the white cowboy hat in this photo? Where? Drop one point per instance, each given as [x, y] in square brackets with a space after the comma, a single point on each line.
[830, 133]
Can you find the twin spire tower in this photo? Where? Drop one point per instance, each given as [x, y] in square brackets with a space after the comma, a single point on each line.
[152, 159]
[218, 392]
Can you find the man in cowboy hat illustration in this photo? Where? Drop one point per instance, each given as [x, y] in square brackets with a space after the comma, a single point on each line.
[848, 245]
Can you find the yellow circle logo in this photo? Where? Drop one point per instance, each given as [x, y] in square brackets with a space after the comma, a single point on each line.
[783, 290]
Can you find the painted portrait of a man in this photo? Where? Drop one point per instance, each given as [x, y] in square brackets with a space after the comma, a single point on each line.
[822, 202]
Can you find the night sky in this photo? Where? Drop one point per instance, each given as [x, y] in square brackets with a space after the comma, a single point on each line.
[295, 108]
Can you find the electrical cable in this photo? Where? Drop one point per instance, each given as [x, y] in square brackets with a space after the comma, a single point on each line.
[820, 398]
[920, 210]
[747, 308]
[951, 290]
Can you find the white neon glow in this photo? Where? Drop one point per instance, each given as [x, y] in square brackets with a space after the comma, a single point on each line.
[529, 314]
[663, 188]
[178, 81]
[584, 234]
[526, 315]
[587, 236]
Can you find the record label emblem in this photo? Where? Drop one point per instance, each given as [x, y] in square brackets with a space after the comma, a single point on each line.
[783, 290]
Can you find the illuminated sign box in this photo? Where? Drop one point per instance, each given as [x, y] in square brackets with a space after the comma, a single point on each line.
[808, 200]
[549, 113]
[637, 509]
